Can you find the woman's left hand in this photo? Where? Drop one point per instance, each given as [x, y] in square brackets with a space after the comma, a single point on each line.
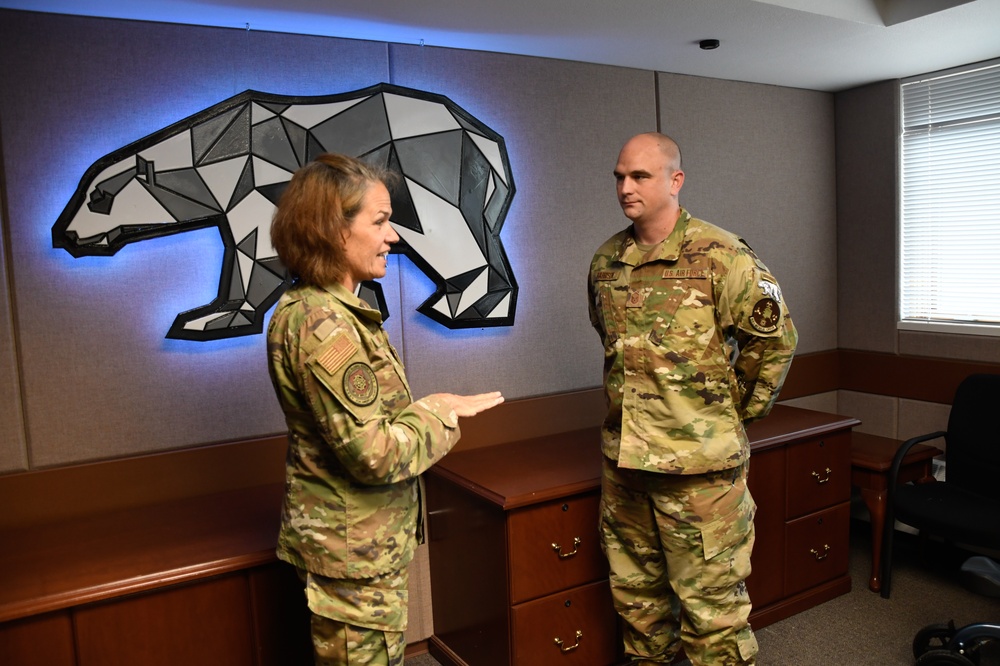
[470, 405]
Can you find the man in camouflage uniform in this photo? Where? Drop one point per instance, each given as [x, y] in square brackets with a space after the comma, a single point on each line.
[697, 342]
[357, 440]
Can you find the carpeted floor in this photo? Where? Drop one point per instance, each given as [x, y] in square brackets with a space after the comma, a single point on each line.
[863, 629]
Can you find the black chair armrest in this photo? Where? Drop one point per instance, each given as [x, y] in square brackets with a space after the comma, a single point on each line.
[904, 448]
[890, 509]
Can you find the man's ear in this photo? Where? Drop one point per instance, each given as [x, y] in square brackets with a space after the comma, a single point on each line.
[676, 182]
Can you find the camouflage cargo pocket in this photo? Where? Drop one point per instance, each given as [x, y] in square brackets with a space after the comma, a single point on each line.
[747, 644]
[727, 543]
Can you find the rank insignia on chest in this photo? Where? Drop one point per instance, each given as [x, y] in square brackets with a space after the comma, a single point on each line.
[360, 384]
[766, 315]
[635, 299]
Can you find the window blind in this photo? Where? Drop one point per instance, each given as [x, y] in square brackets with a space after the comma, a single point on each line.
[950, 200]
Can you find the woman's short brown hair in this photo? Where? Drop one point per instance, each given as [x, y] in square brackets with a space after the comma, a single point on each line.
[314, 213]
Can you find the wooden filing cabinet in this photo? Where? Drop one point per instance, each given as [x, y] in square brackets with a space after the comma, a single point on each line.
[819, 513]
[517, 574]
[800, 477]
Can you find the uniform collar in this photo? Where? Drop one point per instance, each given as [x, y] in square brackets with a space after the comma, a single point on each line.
[668, 250]
[359, 307]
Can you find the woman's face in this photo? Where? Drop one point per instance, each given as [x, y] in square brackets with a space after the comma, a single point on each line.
[369, 237]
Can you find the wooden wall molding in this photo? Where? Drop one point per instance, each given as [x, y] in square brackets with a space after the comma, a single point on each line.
[812, 374]
[36, 497]
[910, 377]
[66, 493]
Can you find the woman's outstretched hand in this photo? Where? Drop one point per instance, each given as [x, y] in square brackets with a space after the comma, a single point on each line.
[470, 405]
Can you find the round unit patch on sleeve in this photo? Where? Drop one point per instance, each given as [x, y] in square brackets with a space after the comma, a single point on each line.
[360, 385]
[766, 315]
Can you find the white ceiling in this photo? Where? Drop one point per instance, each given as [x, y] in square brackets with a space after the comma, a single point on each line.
[825, 45]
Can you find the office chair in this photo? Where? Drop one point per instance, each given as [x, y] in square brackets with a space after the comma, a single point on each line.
[948, 645]
[965, 508]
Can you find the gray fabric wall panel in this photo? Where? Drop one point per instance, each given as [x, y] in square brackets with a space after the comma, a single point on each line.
[758, 161]
[563, 124]
[100, 381]
[944, 345]
[867, 126]
[13, 452]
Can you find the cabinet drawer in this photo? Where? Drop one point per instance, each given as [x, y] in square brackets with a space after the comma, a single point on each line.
[819, 474]
[816, 548]
[583, 620]
[555, 546]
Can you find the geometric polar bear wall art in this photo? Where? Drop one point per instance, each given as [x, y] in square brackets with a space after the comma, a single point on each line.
[226, 166]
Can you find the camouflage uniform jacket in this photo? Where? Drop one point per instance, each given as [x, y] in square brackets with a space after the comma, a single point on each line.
[357, 442]
[697, 342]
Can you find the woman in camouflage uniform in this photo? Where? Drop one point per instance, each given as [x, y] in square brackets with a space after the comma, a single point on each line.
[357, 440]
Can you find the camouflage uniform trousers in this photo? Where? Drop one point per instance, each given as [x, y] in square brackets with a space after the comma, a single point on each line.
[679, 551]
[357, 622]
[341, 644]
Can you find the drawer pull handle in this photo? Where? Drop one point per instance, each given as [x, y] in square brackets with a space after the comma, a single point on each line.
[562, 556]
[815, 553]
[823, 480]
[579, 635]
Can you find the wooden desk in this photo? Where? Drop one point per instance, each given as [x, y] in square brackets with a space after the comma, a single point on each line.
[83, 591]
[871, 458]
[517, 574]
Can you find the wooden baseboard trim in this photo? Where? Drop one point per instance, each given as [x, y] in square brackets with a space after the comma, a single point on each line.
[443, 653]
[414, 649]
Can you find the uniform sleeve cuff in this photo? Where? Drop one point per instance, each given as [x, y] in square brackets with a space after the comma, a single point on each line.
[442, 411]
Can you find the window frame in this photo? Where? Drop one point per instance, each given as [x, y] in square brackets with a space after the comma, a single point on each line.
[954, 326]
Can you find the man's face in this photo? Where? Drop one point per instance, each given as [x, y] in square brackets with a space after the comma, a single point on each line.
[647, 185]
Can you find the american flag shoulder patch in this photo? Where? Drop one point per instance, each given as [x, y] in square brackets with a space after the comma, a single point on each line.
[338, 351]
